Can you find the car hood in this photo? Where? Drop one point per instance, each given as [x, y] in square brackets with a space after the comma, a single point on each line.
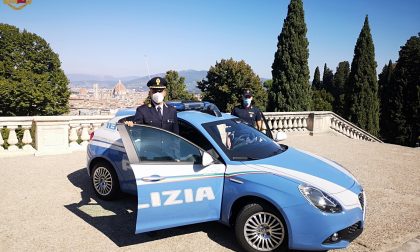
[305, 167]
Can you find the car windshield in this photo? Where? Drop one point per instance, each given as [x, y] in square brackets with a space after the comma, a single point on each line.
[242, 142]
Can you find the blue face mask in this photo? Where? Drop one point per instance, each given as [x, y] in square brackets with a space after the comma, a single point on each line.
[247, 102]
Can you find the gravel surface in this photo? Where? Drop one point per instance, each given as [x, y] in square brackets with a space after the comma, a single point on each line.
[48, 204]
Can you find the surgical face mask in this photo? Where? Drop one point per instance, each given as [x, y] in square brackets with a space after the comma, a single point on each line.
[157, 97]
[247, 101]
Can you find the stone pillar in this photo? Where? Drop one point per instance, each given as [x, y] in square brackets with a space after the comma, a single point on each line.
[319, 122]
[52, 135]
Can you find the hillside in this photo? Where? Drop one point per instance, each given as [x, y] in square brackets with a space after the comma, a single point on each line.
[133, 82]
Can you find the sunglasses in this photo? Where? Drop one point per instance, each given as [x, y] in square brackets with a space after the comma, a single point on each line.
[157, 90]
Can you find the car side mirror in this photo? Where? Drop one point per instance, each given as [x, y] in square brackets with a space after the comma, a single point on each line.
[206, 159]
[280, 136]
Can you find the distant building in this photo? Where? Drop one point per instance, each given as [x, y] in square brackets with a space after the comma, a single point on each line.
[119, 90]
[83, 91]
[95, 91]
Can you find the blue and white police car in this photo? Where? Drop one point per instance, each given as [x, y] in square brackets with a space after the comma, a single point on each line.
[220, 169]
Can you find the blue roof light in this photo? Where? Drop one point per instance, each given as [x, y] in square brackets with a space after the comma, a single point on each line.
[205, 107]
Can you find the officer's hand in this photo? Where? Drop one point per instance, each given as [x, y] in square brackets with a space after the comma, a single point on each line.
[129, 123]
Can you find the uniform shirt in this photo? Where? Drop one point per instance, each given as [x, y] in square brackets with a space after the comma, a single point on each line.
[147, 114]
[249, 114]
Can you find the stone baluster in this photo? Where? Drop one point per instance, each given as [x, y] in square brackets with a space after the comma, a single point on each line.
[286, 124]
[305, 123]
[1, 139]
[73, 137]
[275, 125]
[334, 124]
[270, 125]
[299, 123]
[27, 139]
[342, 128]
[295, 125]
[263, 128]
[289, 124]
[281, 126]
[85, 135]
[12, 139]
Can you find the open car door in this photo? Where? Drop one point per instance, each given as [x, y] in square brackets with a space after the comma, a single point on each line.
[177, 182]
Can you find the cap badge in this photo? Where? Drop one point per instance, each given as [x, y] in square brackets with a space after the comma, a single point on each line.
[158, 81]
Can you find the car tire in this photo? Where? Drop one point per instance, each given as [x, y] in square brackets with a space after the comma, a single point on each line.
[259, 227]
[105, 181]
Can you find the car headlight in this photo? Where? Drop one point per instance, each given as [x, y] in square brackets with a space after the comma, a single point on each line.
[320, 199]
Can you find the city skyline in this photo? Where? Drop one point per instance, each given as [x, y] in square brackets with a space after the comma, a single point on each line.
[138, 38]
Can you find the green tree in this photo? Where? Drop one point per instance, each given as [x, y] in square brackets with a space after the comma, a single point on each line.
[291, 89]
[316, 82]
[176, 88]
[31, 79]
[405, 99]
[321, 100]
[385, 95]
[340, 79]
[268, 84]
[362, 101]
[225, 82]
[328, 79]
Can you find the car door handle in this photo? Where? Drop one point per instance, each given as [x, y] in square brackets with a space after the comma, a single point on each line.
[152, 178]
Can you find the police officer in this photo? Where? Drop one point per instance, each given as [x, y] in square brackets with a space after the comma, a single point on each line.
[247, 112]
[157, 113]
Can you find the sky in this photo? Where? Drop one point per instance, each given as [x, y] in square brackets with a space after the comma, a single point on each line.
[134, 37]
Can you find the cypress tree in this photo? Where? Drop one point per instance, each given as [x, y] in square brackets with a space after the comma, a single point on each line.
[405, 99]
[291, 89]
[362, 102]
[327, 79]
[340, 78]
[385, 98]
[316, 83]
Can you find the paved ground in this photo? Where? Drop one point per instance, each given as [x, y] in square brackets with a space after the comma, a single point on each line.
[47, 204]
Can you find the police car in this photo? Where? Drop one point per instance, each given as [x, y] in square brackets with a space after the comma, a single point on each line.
[219, 169]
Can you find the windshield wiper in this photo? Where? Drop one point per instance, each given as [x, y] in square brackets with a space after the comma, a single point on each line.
[244, 158]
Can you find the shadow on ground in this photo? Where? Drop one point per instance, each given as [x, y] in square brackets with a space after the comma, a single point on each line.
[116, 219]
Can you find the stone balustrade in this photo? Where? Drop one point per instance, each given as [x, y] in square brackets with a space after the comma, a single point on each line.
[315, 122]
[45, 135]
[50, 134]
[287, 121]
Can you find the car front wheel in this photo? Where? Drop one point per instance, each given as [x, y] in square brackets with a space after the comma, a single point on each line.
[105, 181]
[259, 228]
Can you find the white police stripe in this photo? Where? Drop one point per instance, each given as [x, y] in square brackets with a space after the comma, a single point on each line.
[107, 145]
[335, 165]
[347, 198]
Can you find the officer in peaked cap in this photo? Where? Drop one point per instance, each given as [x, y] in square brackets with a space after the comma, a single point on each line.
[157, 113]
[247, 112]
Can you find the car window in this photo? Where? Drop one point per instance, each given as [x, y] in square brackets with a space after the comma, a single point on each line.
[156, 145]
[189, 132]
[241, 142]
